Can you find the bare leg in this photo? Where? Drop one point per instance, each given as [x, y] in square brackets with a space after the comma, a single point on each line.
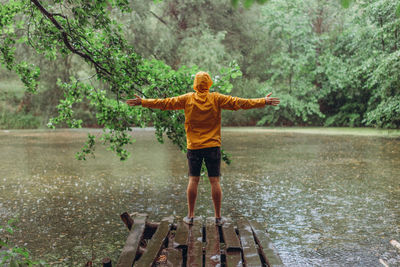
[216, 194]
[192, 194]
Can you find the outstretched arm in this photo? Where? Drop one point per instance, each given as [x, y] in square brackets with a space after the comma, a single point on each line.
[171, 103]
[235, 103]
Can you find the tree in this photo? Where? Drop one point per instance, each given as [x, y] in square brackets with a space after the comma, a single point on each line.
[361, 69]
[87, 29]
[298, 30]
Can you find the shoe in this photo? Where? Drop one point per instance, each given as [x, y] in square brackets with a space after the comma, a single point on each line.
[220, 221]
[188, 220]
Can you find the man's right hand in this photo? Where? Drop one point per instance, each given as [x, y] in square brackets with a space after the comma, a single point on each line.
[134, 102]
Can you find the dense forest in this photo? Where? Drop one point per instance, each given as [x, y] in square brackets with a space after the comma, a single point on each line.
[330, 65]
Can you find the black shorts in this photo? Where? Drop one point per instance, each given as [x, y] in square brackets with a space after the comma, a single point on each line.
[211, 156]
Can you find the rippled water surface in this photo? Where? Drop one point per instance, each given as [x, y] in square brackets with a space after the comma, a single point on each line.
[327, 200]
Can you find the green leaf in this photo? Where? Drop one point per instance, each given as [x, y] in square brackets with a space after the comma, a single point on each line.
[398, 10]
[248, 3]
[345, 3]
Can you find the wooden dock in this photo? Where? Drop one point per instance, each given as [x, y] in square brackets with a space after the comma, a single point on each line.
[203, 244]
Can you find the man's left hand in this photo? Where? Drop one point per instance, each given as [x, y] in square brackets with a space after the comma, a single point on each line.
[272, 101]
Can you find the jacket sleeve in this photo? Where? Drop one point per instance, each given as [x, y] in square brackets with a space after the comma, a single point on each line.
[235, 103]
[171, 103]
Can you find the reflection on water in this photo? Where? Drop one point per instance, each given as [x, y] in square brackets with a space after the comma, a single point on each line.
[327, 200]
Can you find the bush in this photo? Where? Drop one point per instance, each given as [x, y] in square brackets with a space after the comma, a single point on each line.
[386, 115]
[292, 111]
[14, 120]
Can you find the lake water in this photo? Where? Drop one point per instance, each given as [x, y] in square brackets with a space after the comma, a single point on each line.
[327, 200]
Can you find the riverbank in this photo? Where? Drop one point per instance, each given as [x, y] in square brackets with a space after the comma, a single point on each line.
[391, 133]
[365, 131]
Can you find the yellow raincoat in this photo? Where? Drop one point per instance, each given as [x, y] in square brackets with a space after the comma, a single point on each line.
[203, 111]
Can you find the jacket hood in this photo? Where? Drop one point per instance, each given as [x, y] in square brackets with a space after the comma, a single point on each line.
[202, 82]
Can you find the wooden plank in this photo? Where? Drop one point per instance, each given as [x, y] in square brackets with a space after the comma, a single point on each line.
[233, 250]
[232, 242]
[181, 235]
[132, 242]
[195, 244]
[213, 252]
[265, 244]
[127, 219]
[233, 258]
[250, 253]
[154, 245]
[174, 255]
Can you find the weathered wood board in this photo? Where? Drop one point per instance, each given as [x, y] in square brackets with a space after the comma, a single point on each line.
[267, 249]
[154, 245]
[195, 244]
[234, 244]
[212, 252]
[233, 250]
[132, 242]
[250, 253]
[181, 235]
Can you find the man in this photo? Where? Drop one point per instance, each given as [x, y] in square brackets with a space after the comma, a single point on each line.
[203, 132]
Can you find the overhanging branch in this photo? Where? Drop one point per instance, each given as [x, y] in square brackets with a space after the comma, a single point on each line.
[64, 35]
